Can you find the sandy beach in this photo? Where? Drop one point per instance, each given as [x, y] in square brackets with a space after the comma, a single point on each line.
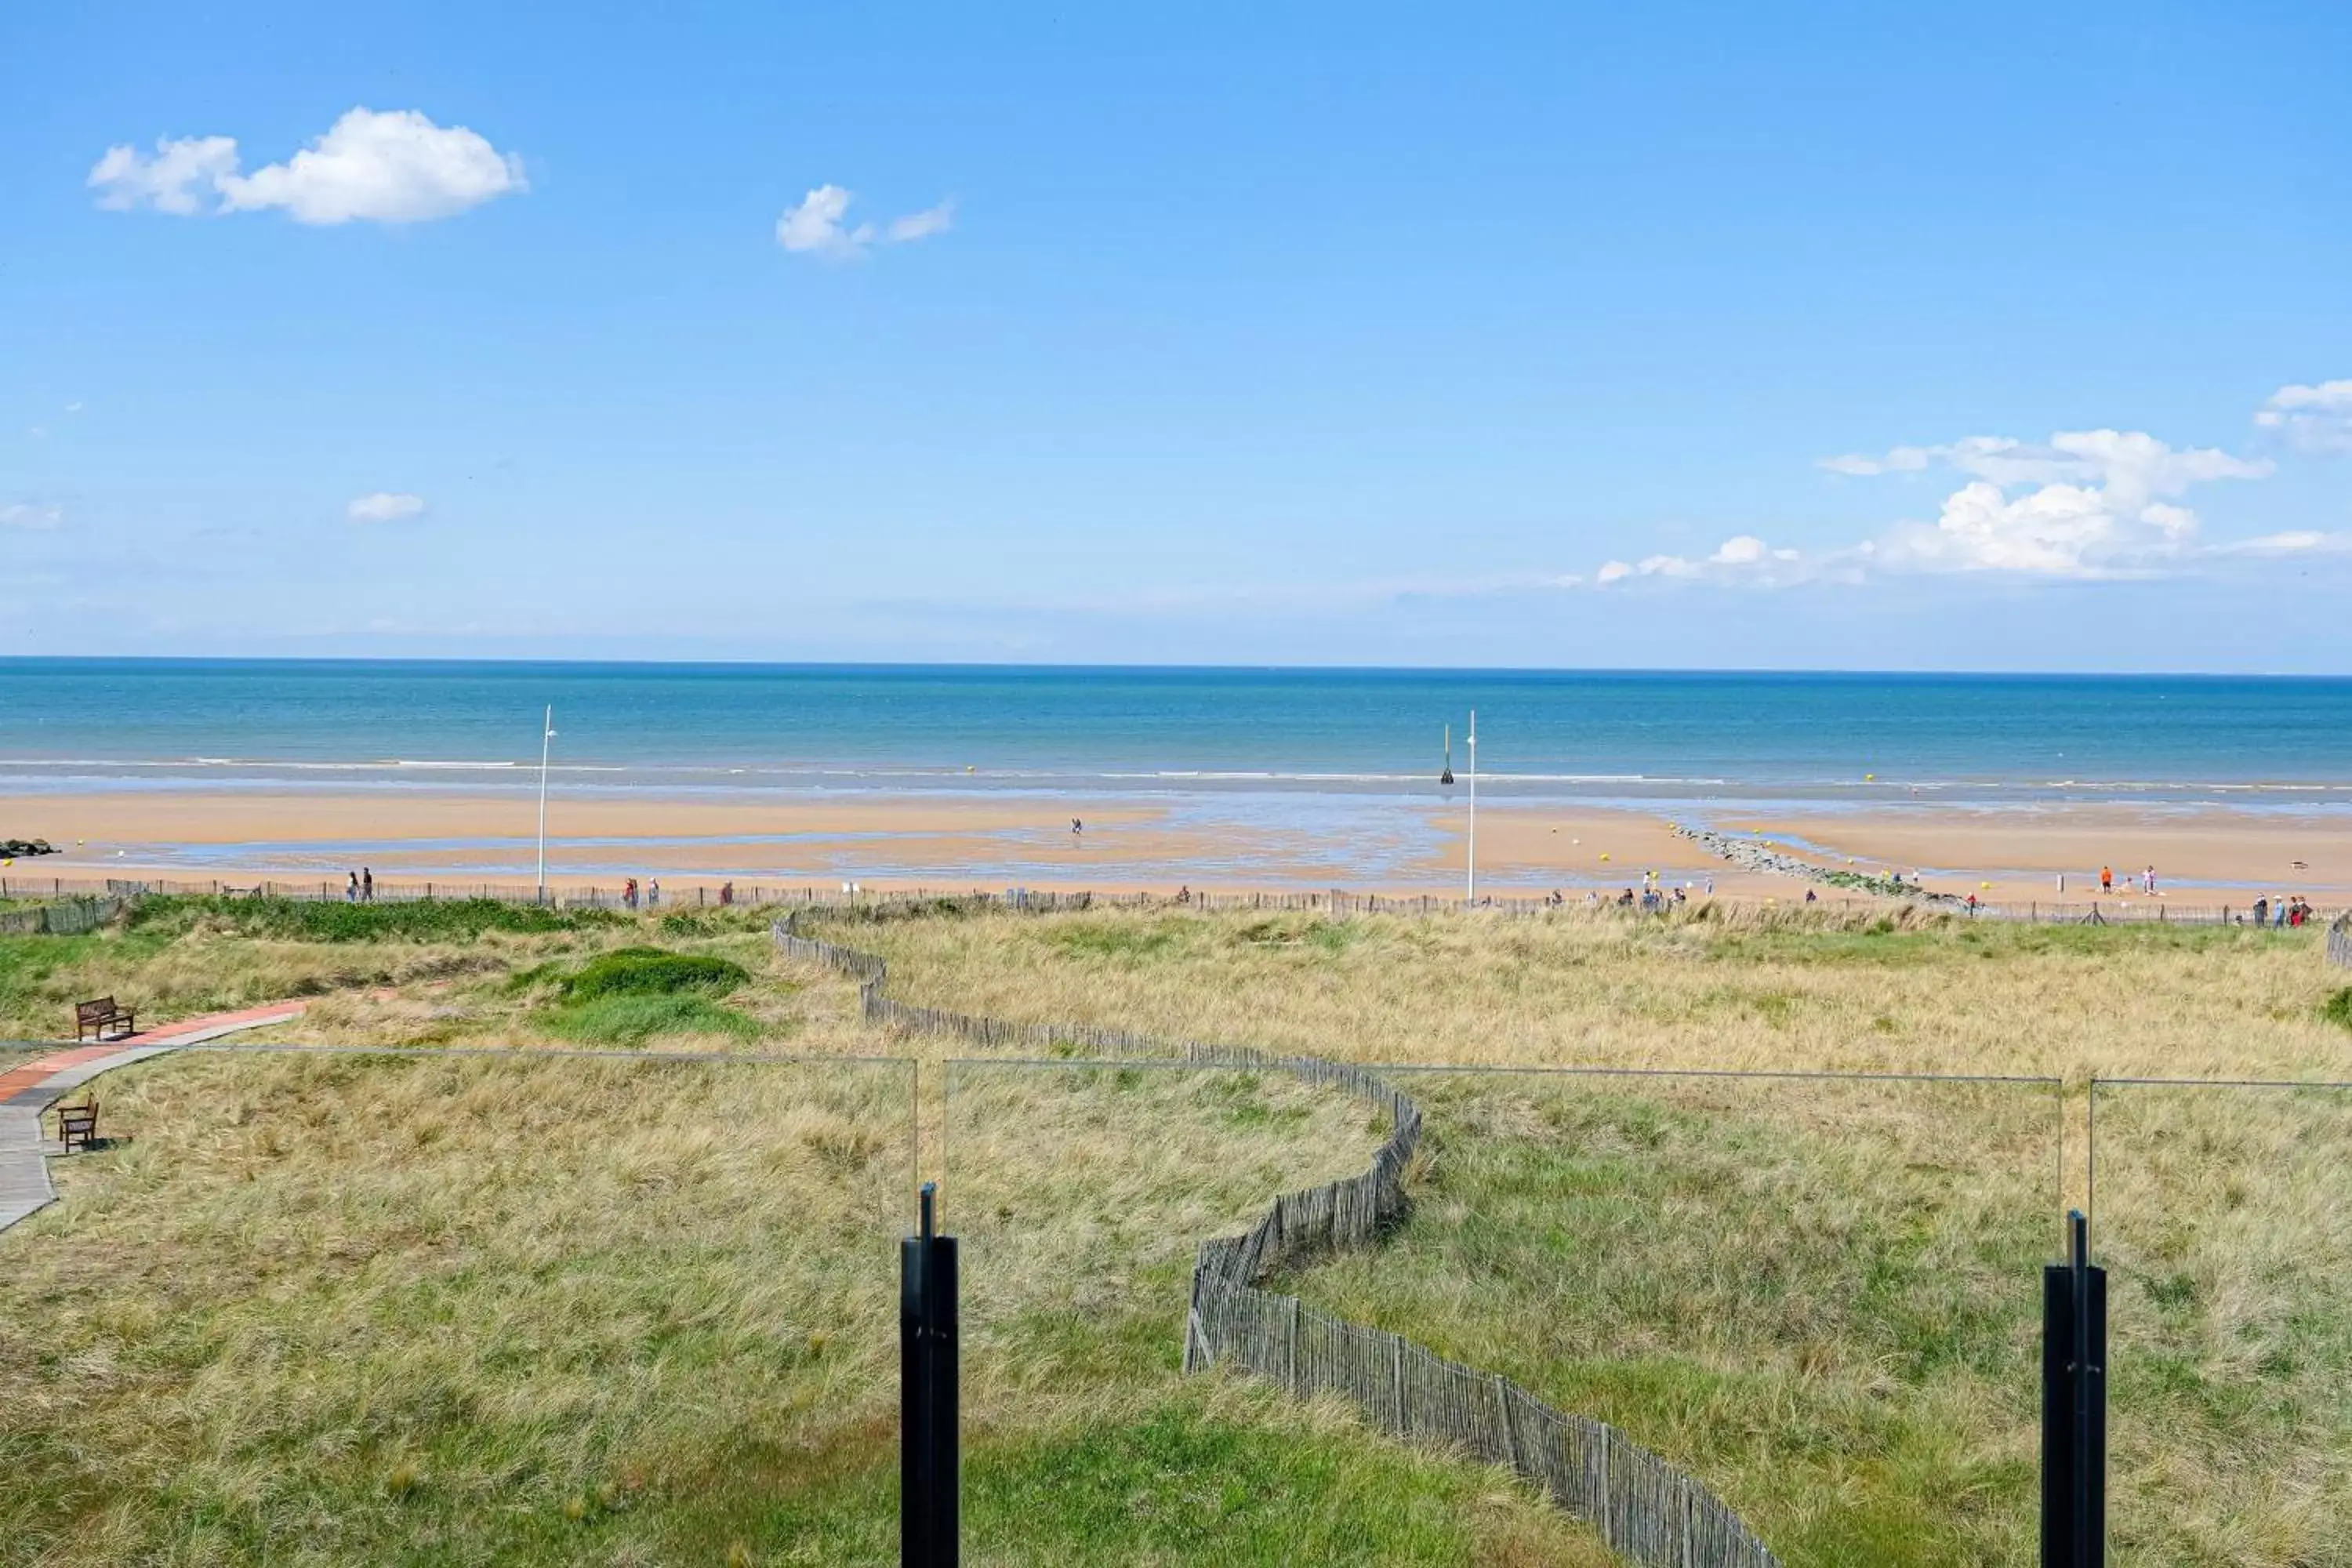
[877, 839]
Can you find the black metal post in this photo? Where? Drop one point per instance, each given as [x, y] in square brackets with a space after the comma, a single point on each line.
[930, 1438]
[2074, 1406]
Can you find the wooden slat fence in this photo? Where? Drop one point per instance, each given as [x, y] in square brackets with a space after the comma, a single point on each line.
[2340, 943]
[1644, 1507]
[64, 916]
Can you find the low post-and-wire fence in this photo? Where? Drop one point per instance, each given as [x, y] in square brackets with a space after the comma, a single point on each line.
[1644, 1506]
[1337, 903]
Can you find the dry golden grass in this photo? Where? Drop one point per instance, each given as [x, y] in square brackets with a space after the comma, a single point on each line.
[1755, 991]
[350, 1308]
[1827, 1310]
[448, 1309]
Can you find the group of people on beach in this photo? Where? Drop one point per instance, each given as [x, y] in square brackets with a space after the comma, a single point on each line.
[361, 890]
[2286, 911]
[649, 897]
[1655, 895]
[2107, 880]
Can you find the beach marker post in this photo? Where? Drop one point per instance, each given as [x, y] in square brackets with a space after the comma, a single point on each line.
[930, 1479]
[1471, 898]
[2075, 1406]
[546, 739]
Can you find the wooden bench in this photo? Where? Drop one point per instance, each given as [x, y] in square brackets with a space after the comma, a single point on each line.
[93, 1020]
[77, 1124]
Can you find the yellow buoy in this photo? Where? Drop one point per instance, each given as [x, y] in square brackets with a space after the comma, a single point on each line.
[1984, 887]
[1605, 854]
[1870, 778]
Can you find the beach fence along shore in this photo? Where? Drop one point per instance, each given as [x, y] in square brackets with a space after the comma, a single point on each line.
[1642, 1506]
[68, 916]
[1337, 902]
[2339, 942]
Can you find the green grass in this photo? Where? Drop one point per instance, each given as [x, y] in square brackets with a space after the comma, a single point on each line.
[466, 1311]
[631, 1020]
[651, 972]
[289, 920]
[1820, 1298]
[2338, 1009]
[632, 995]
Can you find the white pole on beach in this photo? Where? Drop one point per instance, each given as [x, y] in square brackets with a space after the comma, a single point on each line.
[546, 739]
[1472, 857]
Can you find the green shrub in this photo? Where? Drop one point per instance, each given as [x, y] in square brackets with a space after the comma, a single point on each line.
[653, 971]
[2338, 1009]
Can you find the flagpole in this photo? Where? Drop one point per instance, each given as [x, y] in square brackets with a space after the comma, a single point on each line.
[546, 738]
[1473, 857]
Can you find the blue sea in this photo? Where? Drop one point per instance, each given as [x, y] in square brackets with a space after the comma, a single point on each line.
[1821, 740]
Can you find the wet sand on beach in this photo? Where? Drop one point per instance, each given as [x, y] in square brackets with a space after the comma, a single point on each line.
[2202, 857]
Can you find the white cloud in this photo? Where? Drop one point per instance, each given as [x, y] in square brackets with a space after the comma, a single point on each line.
[818, 225]
[75, 406]
[181, 177]
[2134, 460]
[924, 224]
[23, 514]
[1901, 461]
[384, 506]
[2084, 504]
[392, 167]
[2295, 542]
[2318, 418]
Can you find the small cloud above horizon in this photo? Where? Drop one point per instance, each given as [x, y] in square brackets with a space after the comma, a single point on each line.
[384, 506]
[817, 226]
[393, 167]
[2317, 418]
[24, 514]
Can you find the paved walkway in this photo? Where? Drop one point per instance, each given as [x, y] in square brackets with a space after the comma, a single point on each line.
[27, 1091]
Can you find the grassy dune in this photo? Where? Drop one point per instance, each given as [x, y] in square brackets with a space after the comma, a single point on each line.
[451, 1309]
[457, 1310]
[1823, 1299]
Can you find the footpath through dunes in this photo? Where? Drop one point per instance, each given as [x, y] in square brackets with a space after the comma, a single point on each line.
[27, 1090]
[1643, 1507]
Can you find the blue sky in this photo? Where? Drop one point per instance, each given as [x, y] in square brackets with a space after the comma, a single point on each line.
[1983, 337]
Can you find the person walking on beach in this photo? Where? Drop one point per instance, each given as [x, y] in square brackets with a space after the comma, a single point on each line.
[2261, 912]
[2148, 881]
[351, 889]
[2107, 879]
[629, 895]
[1077, 830]
[653, 892]
[367, 886]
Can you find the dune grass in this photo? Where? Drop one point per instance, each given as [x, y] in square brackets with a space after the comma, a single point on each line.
[334, 1313]
[1827, 1310]
[447, 1310]
[458, 1310]
[460, 972]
